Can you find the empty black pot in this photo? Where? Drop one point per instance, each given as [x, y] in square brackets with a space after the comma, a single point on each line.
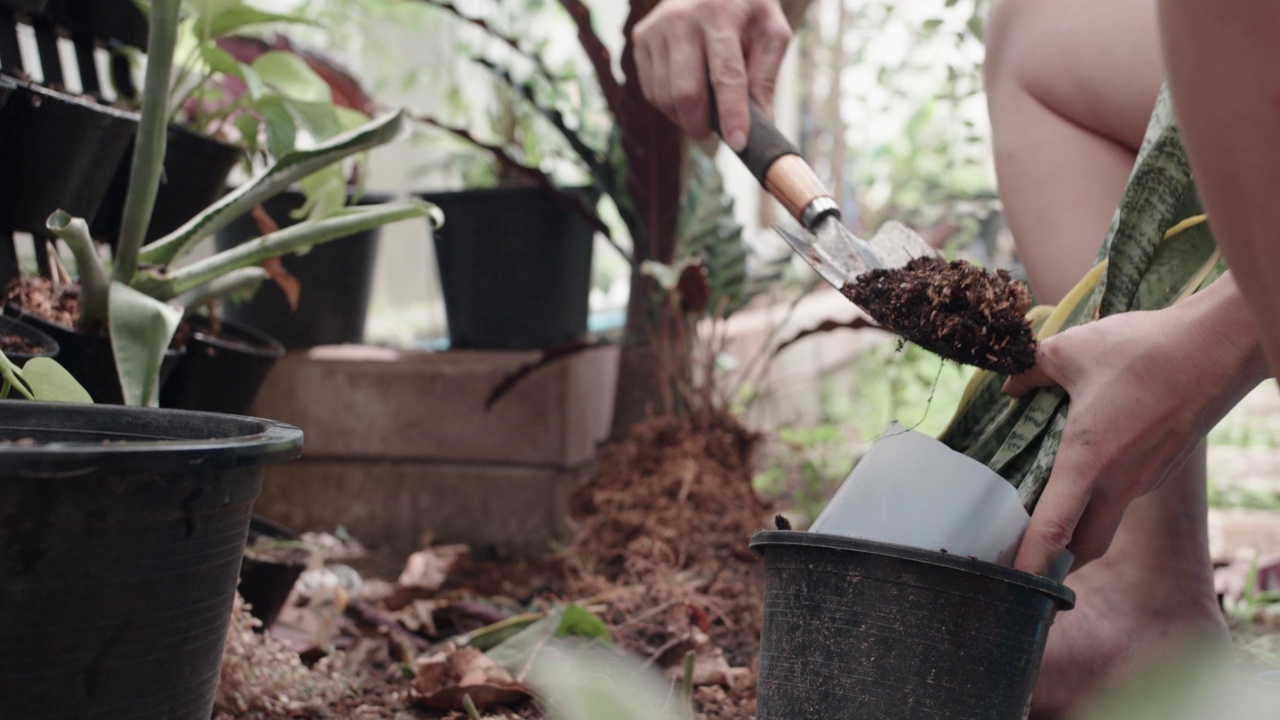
[195, 175]
[220, 372]
[272, 564]
[89, 358]
[121, 534]
[58, 151]
[21, 342]
[336, 280]
[859, 629]
[515, 267]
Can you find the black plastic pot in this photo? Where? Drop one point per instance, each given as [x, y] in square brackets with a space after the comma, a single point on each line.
[195, 175]
[858, 629]
[89, 358]
[29, 6]
[58, 152]
[220, 373]
[121, 533]
[267, 577]
[35, 343]
[119, 20]
[336, 280]
[515, 267]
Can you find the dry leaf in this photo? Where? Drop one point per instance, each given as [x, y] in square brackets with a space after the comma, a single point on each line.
[443, 679]
[424, 573]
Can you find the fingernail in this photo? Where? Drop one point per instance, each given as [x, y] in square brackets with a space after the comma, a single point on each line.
[737, 140]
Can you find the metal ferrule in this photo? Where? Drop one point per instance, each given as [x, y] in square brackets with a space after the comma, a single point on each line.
[818, 209]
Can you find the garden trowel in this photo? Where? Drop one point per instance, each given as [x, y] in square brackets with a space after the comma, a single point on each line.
[837, 254]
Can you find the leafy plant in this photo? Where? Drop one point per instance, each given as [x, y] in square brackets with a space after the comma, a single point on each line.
[40, 378]
[688, 260]
[1158, 251]
[265, 97]
[140, 298]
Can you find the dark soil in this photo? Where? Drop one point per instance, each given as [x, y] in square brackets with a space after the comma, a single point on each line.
[956, 310]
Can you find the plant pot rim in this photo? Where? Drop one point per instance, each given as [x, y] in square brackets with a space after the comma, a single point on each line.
[764, 539]
[15, 310]
[244, 338]
[118, 439]
[85, 102]
[48, 346]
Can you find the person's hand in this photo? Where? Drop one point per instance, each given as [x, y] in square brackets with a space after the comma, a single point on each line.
[739, 42]
[1145, 387]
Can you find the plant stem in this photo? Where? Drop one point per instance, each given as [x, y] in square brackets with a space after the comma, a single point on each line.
[149, 146]
[229, 284]
[291, 239]
[469, 705]
[94, 283]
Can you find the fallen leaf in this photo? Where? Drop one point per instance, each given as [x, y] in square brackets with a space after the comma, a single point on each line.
[424, 573]
[443, 679]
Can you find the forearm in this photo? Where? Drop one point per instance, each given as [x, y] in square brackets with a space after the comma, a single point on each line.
[1215, 323]
[1221, 59]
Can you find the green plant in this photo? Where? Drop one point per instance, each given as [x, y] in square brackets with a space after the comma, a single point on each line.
[689, 265]
[1158, 251]
[265, 97]
[39, 379]
[139, 299]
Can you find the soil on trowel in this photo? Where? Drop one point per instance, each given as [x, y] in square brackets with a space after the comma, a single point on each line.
[956, 310]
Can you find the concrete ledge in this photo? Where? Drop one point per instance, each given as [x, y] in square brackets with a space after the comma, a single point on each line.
[505, 510]
[361, 402]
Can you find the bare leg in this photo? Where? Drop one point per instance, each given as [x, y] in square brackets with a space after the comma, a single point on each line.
[1070, 88]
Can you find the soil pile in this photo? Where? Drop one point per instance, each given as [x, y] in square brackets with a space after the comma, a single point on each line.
[956, 310]
[39, 296]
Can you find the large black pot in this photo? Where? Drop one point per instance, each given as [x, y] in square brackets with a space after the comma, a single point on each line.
[336, 280]
[30, 342]
[515, 267]
[195, 174]
[121, 534]
[28, 6]
[89, 358]
[854, 629]
[57, 151]
[220, 372]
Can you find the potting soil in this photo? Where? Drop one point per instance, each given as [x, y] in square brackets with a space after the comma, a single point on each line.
[956, 310]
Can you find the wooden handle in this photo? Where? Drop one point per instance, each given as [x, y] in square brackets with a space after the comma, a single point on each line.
[775, 162]
[795, 185]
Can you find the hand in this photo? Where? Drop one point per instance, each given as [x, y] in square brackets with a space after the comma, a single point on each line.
[1145, 388]
[741, 44]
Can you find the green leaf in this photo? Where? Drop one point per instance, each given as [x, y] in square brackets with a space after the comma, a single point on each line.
[318, 119]
[283, 172]
[519, 652]
[242, 16]
[290, 76]
[50, 382]
[141, 329]
[582, 623]
[326, 194]
[249, 126]
[596, 684]
[221, 61]
[282, 133]
[932, 25]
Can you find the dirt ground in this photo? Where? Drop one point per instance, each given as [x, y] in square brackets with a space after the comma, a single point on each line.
[660, 556]
[661, 559]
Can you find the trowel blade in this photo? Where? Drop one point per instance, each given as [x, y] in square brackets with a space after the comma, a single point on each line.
[840, 257]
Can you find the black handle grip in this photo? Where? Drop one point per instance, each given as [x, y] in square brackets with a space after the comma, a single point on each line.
[765, 144]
